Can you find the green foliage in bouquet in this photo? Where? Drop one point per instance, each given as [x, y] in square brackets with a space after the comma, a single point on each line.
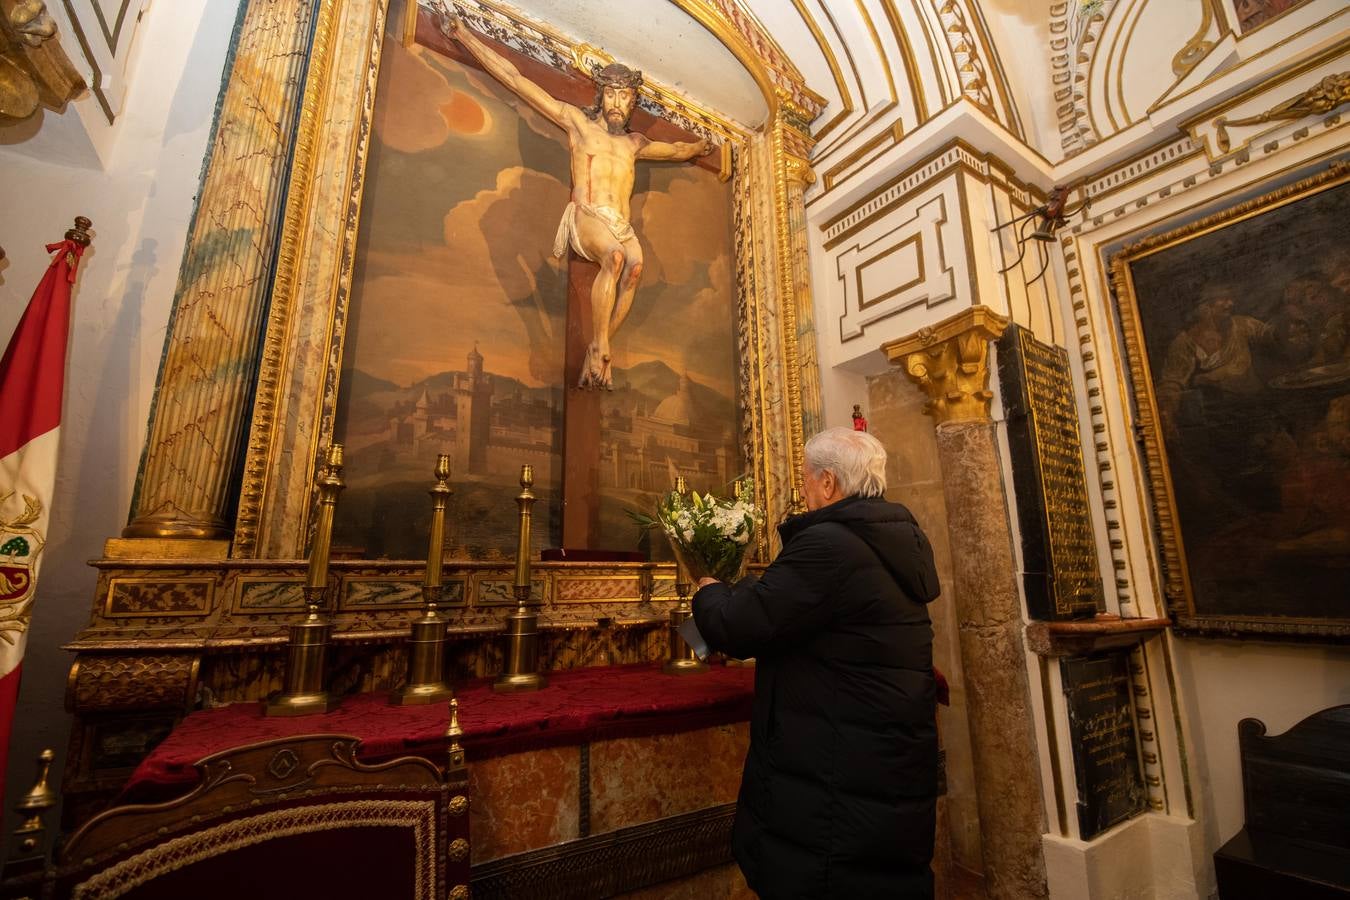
[710, 534]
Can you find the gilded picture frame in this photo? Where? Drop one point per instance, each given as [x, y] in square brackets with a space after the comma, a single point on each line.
[293, 410]
[1239, 373]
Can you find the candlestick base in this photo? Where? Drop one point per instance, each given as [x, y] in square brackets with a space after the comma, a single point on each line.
[682, 659]
[508, 683]
[426, 663]
[522, 654]
[304, 693]
[421, 694]
[282, 704]
[684, 666]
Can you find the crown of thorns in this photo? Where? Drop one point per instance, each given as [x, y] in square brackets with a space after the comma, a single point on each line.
[617, 75]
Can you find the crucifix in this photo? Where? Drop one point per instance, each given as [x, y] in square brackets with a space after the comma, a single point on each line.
[605, 264]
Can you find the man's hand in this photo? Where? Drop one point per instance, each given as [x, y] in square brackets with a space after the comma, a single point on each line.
[704, 147]
[450, 23]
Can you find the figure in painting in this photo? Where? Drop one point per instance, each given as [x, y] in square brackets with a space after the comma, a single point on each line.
[1213, 354]
[604, 156]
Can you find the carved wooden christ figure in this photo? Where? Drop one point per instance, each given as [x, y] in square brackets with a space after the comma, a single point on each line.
[604, 157]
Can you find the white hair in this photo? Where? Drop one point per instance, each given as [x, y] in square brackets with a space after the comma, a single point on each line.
[857, 460]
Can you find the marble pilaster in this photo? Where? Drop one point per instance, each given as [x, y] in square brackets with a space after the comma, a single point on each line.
[206, 376]
[950, 362]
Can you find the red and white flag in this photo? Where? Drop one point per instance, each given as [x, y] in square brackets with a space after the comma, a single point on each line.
[32, 379]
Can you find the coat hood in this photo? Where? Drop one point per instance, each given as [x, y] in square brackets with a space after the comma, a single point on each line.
[892, 533]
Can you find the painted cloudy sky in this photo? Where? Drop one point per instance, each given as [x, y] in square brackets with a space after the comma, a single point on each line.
[465, 187]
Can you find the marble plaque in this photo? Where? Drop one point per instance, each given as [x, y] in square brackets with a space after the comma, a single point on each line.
[1059, 550]
[1105, 748]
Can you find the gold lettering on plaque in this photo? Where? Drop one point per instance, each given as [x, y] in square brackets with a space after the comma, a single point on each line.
[1059, 460]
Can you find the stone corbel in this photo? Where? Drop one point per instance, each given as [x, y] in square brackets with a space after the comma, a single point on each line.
[33, 67]
[950, 362]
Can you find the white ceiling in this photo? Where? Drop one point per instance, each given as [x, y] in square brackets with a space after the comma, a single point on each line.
[669, 46]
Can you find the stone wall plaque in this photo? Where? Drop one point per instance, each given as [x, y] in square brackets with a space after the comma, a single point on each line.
[1105, 748]
[1059, 550]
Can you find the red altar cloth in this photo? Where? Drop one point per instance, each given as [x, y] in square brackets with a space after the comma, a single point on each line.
[577, 706]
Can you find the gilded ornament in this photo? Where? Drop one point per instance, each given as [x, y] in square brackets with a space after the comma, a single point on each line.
[32, 22]
[458, 850]
[1321, 98]
[33, 68]
[132, 680]
[458, 805]
[950, 362]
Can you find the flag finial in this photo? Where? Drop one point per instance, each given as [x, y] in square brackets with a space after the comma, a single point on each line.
[80, 233]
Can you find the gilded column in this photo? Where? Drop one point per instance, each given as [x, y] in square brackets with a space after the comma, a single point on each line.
[793, 146]
[200, 410]
[950, 362]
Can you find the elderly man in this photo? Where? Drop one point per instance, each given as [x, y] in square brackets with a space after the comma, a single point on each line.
[839, 791]
[604, 157]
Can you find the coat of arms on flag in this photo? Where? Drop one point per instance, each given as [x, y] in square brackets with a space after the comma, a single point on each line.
[20, 545]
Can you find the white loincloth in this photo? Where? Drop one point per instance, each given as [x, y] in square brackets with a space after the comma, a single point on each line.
[567, 228]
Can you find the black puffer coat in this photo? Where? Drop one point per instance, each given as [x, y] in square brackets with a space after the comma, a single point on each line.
[839, 792]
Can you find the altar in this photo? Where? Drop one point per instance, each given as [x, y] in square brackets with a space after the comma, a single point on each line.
[627, 760]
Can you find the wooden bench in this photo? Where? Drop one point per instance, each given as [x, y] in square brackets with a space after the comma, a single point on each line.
[1296, 799]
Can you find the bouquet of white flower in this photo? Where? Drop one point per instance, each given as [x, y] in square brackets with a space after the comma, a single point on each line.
[710, 534]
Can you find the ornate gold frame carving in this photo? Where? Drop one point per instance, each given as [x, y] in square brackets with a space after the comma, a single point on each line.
[297, 385]
[1177, 591]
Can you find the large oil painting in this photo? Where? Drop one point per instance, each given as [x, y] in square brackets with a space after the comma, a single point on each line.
[456, 338]
[1238, 333]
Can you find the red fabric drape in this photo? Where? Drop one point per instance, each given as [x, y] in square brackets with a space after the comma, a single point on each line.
[578, 706]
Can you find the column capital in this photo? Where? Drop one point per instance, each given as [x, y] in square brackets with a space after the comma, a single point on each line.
[950, 362]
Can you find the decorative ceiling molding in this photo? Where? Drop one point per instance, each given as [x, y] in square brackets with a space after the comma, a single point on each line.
[730, 18]
[34, 69]
[1075, 27]
[966, 55]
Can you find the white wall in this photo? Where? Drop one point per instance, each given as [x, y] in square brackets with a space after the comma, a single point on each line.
[140, 205]
[1224, 682]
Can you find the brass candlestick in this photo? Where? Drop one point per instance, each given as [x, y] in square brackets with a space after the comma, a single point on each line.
[426, 647]
[28, 845]
[303, 693]
[522, 626]
[682, 659]
[455, 753]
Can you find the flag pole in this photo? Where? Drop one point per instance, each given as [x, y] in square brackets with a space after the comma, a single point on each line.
[32, 385]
